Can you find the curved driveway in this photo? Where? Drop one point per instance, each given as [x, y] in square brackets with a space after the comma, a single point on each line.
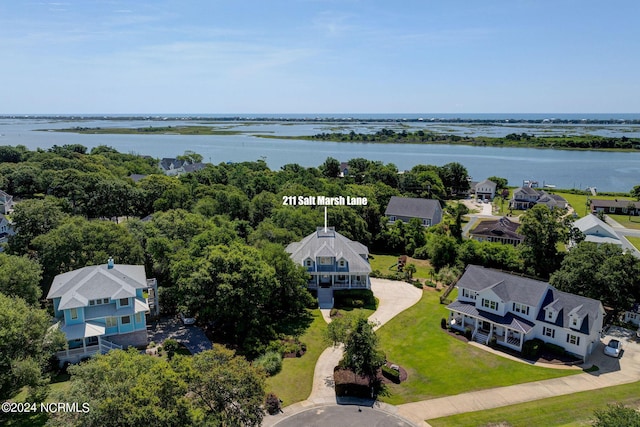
[393, 298]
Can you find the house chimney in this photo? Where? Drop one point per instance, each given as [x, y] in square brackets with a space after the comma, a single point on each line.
[110, 263]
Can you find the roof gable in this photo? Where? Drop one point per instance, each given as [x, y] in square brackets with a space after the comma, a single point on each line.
[412, 207]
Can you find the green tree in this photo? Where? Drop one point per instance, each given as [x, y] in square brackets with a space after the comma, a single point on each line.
[361, 352]
[454, 177]
[601, 272]
[32, 218]
[501, 183]
[442, 251]
[635, 192]
[20, 277]
[78, 242]
[226, 389]
[126, 388]
[543, 229]
[616, 415]
[330, 168]
[26, 344]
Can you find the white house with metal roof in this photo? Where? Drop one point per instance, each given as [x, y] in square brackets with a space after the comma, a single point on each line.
[333, 262]
[515, 309]
[597, 231]
[100, 308]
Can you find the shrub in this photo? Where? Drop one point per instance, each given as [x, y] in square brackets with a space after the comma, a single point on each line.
[493, 341]
[270, 362]
[554, 349]
[333, 312]
[171, 346]
[272, 404]
[391, 374]
[467, 333]
[443, 323]
[531, 349]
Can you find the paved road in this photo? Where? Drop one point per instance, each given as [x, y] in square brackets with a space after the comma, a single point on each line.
[344, 416]
[622, 233]
[191, 336]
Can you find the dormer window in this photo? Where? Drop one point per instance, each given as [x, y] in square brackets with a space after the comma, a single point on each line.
[342, 263]
[308, 262]
[549, 314]
[325, 260]
[492, 305]
[520, 308]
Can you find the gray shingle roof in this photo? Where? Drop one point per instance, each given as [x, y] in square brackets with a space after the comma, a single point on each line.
[565, 303]
[502, 227]
[331, 244]
[509, 287]
[412, 207]
[76, 288]
[510, 320]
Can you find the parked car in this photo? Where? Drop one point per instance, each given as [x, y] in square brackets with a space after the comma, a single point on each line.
[186, 319]
[613, 348]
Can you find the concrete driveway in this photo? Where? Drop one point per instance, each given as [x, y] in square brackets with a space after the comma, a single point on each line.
[192, 337]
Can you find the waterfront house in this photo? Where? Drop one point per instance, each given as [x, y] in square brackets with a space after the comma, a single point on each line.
[501, 230]
[514, 309]
[428, 211]
[617, 207]
[485, 190]
[333, 262]
[527, 197]
[100, 308]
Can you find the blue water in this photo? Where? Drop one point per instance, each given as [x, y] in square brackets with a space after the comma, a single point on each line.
[608, 171]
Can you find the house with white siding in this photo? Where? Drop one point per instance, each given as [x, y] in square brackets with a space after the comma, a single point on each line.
[515, 309]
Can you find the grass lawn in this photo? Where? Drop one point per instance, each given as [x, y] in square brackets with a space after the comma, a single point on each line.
[570, 410]
[293, 383]
[635, 241]
[58, 384]
[625, 221]
[383, 262]
[579, 201]
[440, 365]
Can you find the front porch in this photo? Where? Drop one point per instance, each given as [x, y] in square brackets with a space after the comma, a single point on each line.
[80, 349]
[508, 331]
[339, 281]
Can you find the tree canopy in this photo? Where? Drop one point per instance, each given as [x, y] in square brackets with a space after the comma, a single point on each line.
[543, 229]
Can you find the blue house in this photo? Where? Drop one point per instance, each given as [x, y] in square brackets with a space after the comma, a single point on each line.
[100, 308]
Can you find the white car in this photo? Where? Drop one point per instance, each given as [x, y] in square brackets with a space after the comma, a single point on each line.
[187, 320]
[613, 348]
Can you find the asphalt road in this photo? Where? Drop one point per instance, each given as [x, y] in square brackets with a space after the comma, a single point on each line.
[343, 416]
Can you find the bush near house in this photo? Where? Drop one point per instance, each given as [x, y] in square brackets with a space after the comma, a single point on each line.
[272, 404]
[531, 349]
[554, 349]
[391, 374]
[270, 362]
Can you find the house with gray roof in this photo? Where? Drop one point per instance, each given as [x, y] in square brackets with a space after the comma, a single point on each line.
[618, 207]
[171, 166]
[527, 197]
[485, 190]
[514, 309]
[100, 308]
[333, 261]
[597, 231]
[6, 203]
[428, 211]
[501, 230]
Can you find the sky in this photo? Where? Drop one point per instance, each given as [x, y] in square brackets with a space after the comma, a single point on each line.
[319, 56]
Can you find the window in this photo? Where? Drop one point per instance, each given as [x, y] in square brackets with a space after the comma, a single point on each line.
[325, 260]
[624, 210]
[342, 263]
[93, 302]
[111, 322]
[74, 313]
[124, 302]
[549, 314]
[308, 263]
[612, 209]
[139, 317]
[126, 320]
[492, 305]
[574, 322]
[469, 294]
[520, 308]
[105, 301]
[548, 332]
[573, 339]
